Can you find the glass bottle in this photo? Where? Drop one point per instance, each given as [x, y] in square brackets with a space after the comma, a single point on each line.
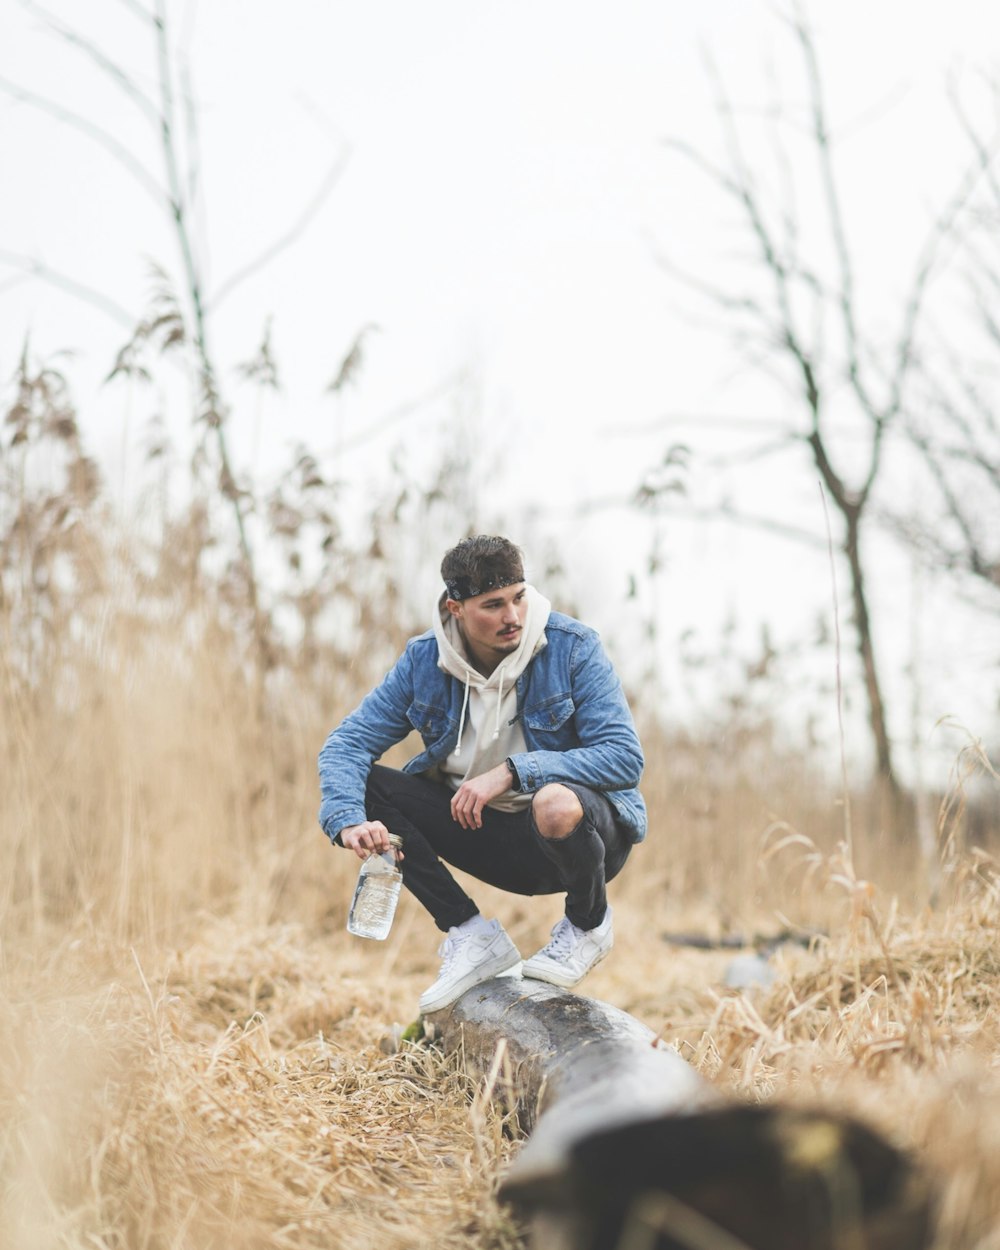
[376, 894]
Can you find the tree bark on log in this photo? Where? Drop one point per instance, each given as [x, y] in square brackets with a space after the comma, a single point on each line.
[631, 1149]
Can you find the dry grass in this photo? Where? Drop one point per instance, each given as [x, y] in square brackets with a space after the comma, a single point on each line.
[190, 1040]
[239, 1098]
[894, 1018]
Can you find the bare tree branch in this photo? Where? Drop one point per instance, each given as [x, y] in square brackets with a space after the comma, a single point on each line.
[749, 455]
[38, 269]
[822, 147]
[179, 212]
[787, 201]
[773, 263]
[192, 137]
[723, 511]
[788, 325]
[954, 429]
[732, 303]
[171, 325]
[717, 421]
[129, 162]
[214, 413]
[870, 115]
[100, 58]
[8, 284]
[397, 414]
[941, 229]
[326, 187]
[984, 152]
[137, 10]
[969, 499]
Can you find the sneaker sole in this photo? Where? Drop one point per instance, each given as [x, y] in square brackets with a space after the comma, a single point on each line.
[555, 976]
[495, 968]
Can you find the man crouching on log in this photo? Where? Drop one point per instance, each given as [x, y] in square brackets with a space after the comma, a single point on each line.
[527, 779]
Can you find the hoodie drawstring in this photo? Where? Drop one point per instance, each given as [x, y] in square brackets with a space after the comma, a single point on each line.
[465, 705]
[496, 730]
[461, 720]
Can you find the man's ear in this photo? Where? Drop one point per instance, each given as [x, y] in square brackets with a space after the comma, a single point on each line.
[454, 607]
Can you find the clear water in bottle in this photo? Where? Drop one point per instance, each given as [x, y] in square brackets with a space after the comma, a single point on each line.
[376, 894]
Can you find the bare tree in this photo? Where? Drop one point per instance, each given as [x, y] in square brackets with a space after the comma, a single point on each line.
[956, 436]
[953, 426]
[801, 319]
[180, 316]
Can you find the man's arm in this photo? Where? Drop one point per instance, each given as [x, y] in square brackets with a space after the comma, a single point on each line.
[609, 756]
[345, 761]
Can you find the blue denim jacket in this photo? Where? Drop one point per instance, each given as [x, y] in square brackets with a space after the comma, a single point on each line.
[576, 723]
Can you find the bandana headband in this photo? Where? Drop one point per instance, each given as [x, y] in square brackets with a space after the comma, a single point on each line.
[465, 588]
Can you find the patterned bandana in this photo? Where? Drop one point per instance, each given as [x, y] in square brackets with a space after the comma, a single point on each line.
[465, 588]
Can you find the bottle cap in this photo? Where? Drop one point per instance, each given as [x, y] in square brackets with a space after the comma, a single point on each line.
[396, 841]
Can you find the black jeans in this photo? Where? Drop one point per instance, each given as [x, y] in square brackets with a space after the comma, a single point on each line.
[508, 851]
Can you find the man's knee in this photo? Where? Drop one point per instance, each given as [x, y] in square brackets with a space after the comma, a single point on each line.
[556, 810]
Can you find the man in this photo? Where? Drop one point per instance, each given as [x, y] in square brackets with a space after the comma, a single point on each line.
[527, 779]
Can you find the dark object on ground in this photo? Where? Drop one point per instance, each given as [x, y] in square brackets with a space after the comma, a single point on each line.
[765, 942]
[631, 1149]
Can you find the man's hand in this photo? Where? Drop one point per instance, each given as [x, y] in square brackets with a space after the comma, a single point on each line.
[371, 837]
[473, 795]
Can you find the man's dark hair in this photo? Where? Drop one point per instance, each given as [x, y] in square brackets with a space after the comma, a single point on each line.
[481, 563]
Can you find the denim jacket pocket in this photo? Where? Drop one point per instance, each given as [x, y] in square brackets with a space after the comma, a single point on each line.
[549, 716]
[429, 721]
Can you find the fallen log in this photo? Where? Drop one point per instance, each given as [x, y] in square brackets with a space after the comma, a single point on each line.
[631, 1149]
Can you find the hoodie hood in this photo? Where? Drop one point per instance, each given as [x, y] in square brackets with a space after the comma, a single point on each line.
[489, 704]
[454, 659]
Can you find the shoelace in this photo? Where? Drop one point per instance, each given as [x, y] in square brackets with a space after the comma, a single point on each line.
[447, 951]
[450, 948]
[563, 940]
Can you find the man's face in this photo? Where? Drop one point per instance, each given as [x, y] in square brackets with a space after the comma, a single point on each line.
[492, 623]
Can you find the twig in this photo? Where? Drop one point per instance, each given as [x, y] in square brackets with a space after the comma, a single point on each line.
[326, 187]
[154, 1015]
[848, 829]
[38, 269]
[129, 162]
[108, 66]
[395, 415]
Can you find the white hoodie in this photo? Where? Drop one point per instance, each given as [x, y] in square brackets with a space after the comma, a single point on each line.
[488, 730]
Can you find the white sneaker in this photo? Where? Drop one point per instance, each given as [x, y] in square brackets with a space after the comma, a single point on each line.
[468, 960]
[571, 953]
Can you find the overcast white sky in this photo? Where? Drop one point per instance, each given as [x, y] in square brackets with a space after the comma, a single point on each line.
[506, 185]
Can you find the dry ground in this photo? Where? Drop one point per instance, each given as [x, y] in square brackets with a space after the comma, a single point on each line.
[232, 1091]
[190, 1042]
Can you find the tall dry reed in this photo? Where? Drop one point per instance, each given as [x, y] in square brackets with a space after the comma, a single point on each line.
[190, 1042]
